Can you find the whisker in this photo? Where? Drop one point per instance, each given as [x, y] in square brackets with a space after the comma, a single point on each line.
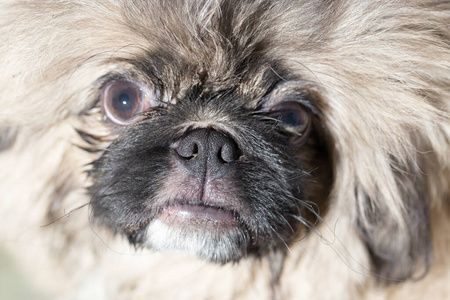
[66, 215]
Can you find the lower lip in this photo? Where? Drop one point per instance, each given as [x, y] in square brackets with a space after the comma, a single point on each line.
[197, 215]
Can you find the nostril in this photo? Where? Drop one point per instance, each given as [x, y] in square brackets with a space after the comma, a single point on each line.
[228, 153]
[188, 150]
[194, 151]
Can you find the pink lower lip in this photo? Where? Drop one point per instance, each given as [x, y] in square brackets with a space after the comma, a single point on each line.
[183, 213]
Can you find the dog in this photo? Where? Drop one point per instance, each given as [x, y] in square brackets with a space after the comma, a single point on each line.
[219, 149]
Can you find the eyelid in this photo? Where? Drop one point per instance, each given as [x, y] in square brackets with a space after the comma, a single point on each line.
[301, 91]
[148, 98]
[300, 98]
[148, 89]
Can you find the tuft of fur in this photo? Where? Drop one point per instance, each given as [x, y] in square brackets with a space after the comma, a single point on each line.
[372, 216]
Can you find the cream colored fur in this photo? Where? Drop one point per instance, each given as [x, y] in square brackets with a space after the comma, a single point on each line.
[383, 72]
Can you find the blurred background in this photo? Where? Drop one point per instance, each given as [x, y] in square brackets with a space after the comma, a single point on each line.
[13, 286]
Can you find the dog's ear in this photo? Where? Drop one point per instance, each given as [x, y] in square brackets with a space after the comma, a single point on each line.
[399, 245]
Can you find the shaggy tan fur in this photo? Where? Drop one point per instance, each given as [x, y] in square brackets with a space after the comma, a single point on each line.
[381, 70]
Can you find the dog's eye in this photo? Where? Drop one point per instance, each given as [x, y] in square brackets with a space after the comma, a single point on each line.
[294, 116]
[122, 101]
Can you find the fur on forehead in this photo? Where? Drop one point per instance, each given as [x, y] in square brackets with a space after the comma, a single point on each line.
[114, 30]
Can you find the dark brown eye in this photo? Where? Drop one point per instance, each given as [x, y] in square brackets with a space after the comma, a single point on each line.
[122, 101]
[293, 116]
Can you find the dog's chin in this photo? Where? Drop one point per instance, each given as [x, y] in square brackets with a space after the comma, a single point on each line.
[211, 233]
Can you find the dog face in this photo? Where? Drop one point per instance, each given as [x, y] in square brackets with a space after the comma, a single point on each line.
[213, 152]
[214, 166]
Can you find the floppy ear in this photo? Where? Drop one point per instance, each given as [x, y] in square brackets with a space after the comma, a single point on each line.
[400, 246]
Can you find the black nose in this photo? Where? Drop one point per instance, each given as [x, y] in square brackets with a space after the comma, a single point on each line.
[207, 152]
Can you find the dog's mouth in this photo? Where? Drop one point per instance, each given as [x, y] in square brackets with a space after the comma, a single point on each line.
[198, 214]
[211, 230]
